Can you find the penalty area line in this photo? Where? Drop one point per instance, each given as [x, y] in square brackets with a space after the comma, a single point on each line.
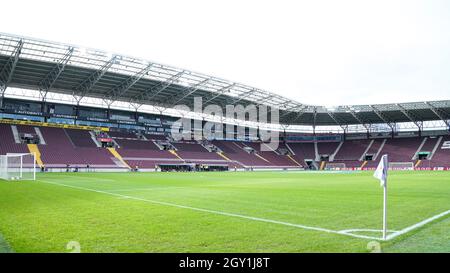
[122, 196]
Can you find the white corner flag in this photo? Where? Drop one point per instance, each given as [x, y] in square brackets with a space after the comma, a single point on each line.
[382, 173]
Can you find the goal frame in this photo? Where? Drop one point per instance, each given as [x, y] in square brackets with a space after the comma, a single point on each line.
[402, 166]
[14, 163]
[335, 166]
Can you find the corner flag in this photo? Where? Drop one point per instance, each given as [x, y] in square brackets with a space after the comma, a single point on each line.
[382, 173]
[382, 170]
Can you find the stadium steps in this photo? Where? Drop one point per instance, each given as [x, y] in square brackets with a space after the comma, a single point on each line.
[322, 165]
[175, 154]
[438, 143]
[33, 148]
[293, 160]
[40, 136]
[255, 154]
[361, 158]
[15, 133]
[416, 154]
[364, 164]
[262, 157]
[418, 163]
[380, 149]
[118, 156]
[221, 154]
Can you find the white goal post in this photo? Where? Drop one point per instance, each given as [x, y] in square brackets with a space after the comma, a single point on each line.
[401, 165]
[334, 166]
[18, 166]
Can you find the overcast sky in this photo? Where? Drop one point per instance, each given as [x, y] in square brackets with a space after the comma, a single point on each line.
[315, 52]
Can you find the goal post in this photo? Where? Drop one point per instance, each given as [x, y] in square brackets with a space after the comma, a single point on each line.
[401, 165]
[334, 166]
[15, 166]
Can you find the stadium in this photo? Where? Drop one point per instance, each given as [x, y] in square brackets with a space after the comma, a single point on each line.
[105, 152]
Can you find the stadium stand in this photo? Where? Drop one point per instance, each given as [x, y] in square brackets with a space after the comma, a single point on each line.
[7, 143]
[80, 138]
[303, 151]
[352, 150]
[75, 147]
[236, 151]
[116, 134]
[60, 151]
[441, 158]
[83, 134]
[271, 156]
[144, 154]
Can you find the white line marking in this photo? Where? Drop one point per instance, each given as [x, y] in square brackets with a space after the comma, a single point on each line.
[341, 232]
[365, 229]
[418, 225]
[148, 189]
[217, 212]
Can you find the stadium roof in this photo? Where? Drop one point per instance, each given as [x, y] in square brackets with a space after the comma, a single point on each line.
[82, 72]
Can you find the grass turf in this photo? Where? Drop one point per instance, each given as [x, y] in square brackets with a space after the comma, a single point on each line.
[113, 212]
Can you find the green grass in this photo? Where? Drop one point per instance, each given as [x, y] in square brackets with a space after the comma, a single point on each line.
[43, 217]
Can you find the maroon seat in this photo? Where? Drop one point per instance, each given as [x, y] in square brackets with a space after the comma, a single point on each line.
[115, 134]
[235, 151]
[7, 143]
[303, 151]
[441, 158]
[60, 151]
[80, 138]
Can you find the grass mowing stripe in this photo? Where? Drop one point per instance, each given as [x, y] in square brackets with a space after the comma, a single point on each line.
[4, 246]
[217, 212]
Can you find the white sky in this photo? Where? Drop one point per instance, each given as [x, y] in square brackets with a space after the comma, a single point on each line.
[316, 52]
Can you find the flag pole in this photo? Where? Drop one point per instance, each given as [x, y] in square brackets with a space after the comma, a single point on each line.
[381, 173]
[385, 211]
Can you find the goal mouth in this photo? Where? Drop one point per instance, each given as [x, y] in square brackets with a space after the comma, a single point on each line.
[335, 166]
[401, 166]
[18, 166]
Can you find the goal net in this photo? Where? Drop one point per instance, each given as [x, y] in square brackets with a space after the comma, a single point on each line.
[18, 167]
[335, 166]
[401, 165]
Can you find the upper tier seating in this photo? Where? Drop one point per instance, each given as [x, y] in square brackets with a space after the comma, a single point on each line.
[7, 143]
[23, 129]
[80, 138]
[115, 134]
[136, 144]
[155, 137]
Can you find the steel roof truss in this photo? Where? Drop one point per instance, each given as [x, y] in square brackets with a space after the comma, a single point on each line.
[86, 86]
[46, 83]
[124, 86]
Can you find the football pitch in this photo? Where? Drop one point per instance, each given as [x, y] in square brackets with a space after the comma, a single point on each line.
[225, 212]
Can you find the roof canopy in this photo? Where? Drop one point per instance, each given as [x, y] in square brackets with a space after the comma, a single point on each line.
[60, 68]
